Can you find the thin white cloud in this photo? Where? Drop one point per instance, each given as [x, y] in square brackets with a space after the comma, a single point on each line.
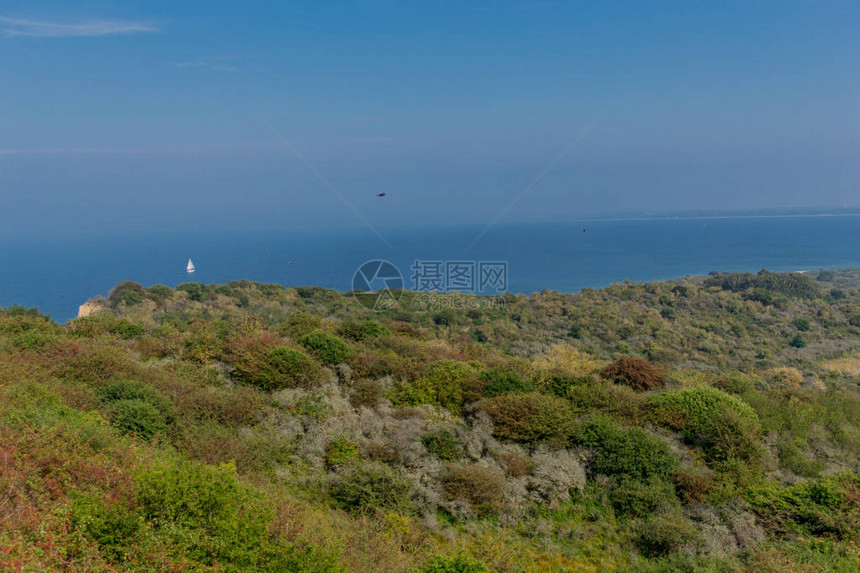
[40, 29]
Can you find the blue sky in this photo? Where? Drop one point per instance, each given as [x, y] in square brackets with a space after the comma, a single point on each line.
[134, 116]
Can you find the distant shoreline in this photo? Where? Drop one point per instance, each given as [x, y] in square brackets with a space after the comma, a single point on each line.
[719, 217]
[57, 276]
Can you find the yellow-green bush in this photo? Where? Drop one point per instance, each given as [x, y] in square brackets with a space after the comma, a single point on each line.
[284, 367]
[442, 385]
[726, 427]
[218, 521]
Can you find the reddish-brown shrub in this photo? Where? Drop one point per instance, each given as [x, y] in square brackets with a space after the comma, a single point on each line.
[692, 484]
[530, 418]
[248, 352]
[373, 363]
[516, 465]
[94, 361]
[405, 329]
[482, 487]
[366, 393]
[638, 373]
[384, 453]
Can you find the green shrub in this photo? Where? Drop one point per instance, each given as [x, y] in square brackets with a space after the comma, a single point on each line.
[825, 508]
[736, 383]
[372, 486]
[695, 407]
[591, 395]
[285, 368]
[111, 526]
[315, 293]
[126, 329]
[15, 311]
[788, 284]
[329, 349]
[797, 341]
[137, 417]
[34, 340]
[631, 452]
[128, 293]
[530, 418]
[300, 324]
[447, 317]
[443, 445]
[726, 427]
[505, 383]
[159, 293]
[684, 563]
[802, 324]
[442, 385]
[136, 408]
[216, 519]
[732, 442]
[638, 373]
[99, 324]
[562, 385]
[28, 329]
[462, 563]
[341, 451]
[196, 291]
[225, 290]
[767, 297]
[135, 390]
[662, 534]
[638, 498]
[792, 457]
[362, 330]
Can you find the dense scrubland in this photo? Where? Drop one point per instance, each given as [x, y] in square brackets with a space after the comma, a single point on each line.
[702, 424]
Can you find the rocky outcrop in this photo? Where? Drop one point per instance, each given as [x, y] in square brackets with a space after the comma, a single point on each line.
[91, 307]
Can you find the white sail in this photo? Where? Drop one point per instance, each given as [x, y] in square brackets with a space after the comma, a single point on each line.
[190, 267]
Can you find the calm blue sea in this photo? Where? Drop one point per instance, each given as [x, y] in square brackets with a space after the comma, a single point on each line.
[57, 276]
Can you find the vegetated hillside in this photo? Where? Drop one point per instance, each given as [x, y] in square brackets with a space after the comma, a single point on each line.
[710, 423]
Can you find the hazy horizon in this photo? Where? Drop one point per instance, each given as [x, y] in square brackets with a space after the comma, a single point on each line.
[153, 117]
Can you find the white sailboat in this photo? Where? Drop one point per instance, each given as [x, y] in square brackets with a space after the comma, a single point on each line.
[190, 267]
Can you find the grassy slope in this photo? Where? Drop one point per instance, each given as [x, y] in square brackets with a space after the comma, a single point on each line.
[216, 427]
